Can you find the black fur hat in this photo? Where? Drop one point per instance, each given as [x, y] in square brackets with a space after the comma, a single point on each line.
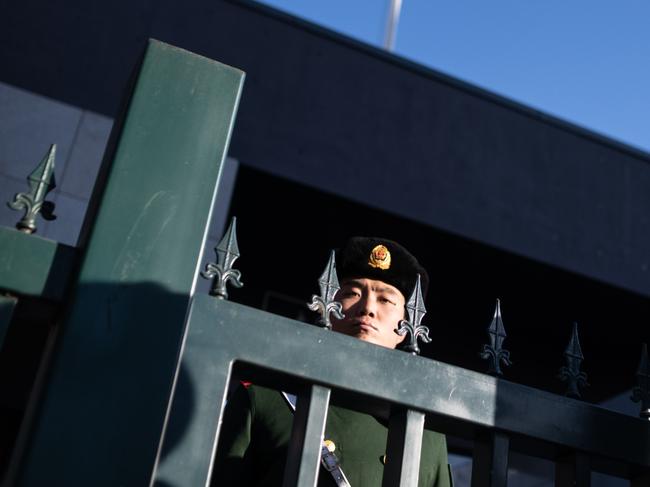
[383, 260]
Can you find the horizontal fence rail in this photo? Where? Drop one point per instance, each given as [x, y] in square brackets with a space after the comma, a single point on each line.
[221, 336]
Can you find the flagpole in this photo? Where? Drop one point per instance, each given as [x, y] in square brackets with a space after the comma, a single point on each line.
[394, 9]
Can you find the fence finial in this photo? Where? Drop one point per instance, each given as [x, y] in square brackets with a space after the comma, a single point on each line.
[416, 311]
[222, 272]
[494, 352]
[41, 181]
[641, 392]
[325, 304]
[570, 373]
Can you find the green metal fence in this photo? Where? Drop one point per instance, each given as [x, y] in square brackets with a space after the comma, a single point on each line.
[225, 341]
[135, 390]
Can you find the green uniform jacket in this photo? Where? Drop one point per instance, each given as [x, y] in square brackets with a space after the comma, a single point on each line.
[255, 436]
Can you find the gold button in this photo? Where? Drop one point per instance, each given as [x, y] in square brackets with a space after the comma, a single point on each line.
[329, 444]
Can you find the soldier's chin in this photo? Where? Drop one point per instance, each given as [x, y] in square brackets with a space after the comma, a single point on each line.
[368, 337]
[375, 340]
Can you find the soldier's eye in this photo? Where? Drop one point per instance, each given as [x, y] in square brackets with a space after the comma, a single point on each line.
[349, 294]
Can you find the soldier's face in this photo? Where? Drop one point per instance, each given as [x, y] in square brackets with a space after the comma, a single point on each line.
[372, 311]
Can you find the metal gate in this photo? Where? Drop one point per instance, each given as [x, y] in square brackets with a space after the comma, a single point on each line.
[136, 367]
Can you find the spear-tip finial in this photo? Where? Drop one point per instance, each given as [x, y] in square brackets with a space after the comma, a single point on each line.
[41, 181]
[416, 311]
[222, 273]
[570, 373]
[641, 392]
[494, 352]
[324, 304]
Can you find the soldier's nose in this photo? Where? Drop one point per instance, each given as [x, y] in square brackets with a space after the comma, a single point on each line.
[366, 307]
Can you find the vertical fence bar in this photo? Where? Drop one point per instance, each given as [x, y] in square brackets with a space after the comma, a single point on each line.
[303, 457]
[197, 413]
[7, 305]
[403, 449]
[196, 410]
[490, 461]
[32, 408]
[640, 481]
[573, 471]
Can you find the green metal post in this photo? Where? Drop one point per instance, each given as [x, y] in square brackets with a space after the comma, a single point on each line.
[573, 471]
[303, 457]
[7, 305]
[104, 406]
[490, 460]
[640, 481]
[404, 445]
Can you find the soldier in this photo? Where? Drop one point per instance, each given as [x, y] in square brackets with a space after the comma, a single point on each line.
[376, 276]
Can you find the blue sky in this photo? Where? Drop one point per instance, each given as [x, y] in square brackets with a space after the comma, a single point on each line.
[587, 62]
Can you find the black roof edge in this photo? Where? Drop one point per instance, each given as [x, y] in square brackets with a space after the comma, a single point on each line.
[441, 77]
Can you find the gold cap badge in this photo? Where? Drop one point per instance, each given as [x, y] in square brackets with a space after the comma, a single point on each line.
[379, 258]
